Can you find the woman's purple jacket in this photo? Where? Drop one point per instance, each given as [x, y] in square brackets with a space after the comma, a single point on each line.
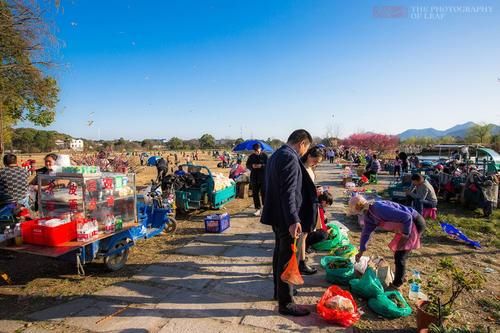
[387, 212]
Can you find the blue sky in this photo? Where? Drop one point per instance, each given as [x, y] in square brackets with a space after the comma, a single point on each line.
[140, 69]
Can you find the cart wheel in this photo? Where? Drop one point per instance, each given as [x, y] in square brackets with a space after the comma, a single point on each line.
[170, 226]
[118, 260]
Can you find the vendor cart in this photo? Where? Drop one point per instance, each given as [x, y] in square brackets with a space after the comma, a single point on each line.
[203, 193]
[74, 198]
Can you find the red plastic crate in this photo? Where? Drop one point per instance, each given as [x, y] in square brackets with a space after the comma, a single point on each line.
[33, 233]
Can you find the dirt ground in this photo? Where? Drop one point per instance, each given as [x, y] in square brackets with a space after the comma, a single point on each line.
[478, 309]
[40, 282]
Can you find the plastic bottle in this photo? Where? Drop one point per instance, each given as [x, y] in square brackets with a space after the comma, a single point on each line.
[118, 223]
[415, 288]
[17, 234]
[79, 231]
[95, 228]
[109, 224]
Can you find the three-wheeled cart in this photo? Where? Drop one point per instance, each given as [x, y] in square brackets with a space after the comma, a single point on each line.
[203, 194]
[96, 197]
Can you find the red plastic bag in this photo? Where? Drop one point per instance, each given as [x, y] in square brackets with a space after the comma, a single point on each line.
[344, 318]
[291, 274]
[364, 180]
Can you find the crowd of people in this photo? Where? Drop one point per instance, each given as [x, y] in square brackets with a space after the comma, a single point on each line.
[295, 209]
[286, 197]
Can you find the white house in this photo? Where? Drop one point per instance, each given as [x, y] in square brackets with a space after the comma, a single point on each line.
[76, 144]
[59, 143]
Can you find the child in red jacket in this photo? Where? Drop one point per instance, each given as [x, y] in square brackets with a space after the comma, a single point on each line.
[321, 233]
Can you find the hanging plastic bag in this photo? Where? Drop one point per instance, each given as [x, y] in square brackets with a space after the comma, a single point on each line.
[346, 251]
[291, 274]
[384, 271]
[338, 270]
[368, 286]
[337, 306]
[390, 304]
[362, 264]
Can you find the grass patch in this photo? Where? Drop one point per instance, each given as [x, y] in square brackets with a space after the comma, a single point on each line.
[487, 230]
[492, 306]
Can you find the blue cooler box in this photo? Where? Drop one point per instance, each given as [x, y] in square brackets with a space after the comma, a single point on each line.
[217, 223]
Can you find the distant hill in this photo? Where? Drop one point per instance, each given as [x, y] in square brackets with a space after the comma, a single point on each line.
[458, 131]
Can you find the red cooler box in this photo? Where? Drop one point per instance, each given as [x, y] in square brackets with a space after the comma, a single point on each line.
[34, 233]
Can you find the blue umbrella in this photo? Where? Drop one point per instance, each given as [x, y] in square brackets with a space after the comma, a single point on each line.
[247, 146]
[152, 160]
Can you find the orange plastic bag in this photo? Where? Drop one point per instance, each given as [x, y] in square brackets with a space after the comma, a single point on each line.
[291, 274]
[336, 316]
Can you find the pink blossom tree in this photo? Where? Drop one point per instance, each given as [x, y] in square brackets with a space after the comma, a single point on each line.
[372, 141]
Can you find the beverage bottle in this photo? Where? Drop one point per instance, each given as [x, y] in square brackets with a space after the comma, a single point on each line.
[17, 234]
[8, 235]
[415, 289]
[118, 223]
[79, 230]
[95, 228]
[106, 224]
[113, 223]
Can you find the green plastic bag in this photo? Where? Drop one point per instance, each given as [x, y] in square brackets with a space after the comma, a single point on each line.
[338, 275]
[344, 250]
[385, 305]
[368, 286]
[335, 237]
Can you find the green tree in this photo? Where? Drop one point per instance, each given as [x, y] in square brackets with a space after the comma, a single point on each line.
[447, 140]
[207, 141]
[274, 143]
[24, 139]
[27, 93]
[479, 133]
[238, 141]
[147, 144]
[175, 143]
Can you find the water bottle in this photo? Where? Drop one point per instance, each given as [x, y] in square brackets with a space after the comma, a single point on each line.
[17, 234]
[95, 228]
[415, 289]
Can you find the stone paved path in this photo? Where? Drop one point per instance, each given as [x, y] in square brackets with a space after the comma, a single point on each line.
[217, 283]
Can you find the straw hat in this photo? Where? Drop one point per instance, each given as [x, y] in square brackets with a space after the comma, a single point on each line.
[356, 205]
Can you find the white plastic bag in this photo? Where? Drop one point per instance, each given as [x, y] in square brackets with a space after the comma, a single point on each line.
[384, 271]
[362, 264]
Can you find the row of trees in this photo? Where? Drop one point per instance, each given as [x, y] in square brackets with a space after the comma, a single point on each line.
[30, 140]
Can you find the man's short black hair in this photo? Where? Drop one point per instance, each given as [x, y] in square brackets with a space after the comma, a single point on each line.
[9, 159]
[326, 196]
[375, 156]
[298, 136]
[256, 146]
[417, 177]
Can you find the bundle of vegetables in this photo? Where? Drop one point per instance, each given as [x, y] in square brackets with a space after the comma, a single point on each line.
[338, 269]
[390, 304]
[346, 251]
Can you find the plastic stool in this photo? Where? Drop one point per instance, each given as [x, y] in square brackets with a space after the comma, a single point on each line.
[373, 179]
[430, 213]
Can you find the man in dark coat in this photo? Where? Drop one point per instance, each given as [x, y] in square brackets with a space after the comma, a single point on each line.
[283, 210]
[256, 163]
[162, 168]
